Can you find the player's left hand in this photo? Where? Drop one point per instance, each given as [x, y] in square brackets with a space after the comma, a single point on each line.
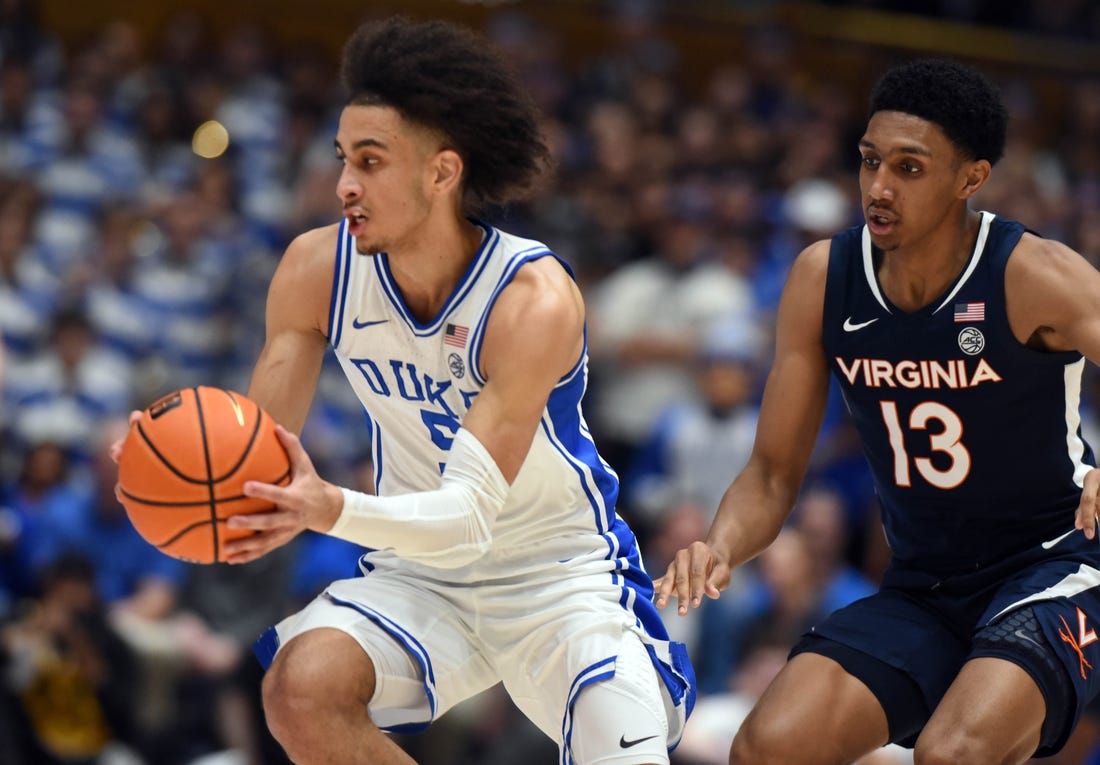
[114, 451]
[307, 502]
[1085, 519]
[696, 571]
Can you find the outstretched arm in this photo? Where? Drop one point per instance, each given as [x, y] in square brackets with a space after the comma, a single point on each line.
[760, 498]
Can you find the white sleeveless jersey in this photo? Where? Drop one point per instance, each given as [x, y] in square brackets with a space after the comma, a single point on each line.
[417, 381]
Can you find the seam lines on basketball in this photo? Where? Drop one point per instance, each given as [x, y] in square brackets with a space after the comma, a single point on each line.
[181, 503]
[182, 533]
[248, 446]
[164, 461]
[209, 477]
[197, 503]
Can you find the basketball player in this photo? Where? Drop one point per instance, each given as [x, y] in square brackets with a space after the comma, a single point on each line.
[497, 554]
[957, 338]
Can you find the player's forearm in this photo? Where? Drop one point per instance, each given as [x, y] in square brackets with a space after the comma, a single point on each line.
[447, 527]
[750, 516]
[285, 377]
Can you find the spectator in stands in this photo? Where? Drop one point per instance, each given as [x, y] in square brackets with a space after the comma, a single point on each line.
[66, 391]
[647, 322]
[44, 493]
[73, 676]
[821, 517]
[698, 438]
[28, 289]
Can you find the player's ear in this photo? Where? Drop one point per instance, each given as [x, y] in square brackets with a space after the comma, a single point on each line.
[448, 167]
[974, 176]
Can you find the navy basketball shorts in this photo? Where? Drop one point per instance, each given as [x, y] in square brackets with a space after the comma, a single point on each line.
[907, 645]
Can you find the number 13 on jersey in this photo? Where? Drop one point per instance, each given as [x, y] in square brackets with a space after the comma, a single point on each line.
[944, 438]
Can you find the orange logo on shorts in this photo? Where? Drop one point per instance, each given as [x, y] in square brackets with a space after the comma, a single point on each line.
[1084, 637]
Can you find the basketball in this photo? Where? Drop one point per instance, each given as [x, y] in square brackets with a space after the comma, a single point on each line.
[183, 466]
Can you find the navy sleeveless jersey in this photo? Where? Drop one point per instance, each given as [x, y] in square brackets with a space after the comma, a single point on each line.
[973, 439]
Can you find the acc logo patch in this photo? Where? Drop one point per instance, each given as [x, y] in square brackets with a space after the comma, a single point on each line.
[458, 368]
[971, 341]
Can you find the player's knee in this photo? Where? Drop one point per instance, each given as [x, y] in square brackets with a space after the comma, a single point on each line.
[759, 742]
[622, 717]
[305, 683]
[948, 749]
[290, 697]
[951, 747]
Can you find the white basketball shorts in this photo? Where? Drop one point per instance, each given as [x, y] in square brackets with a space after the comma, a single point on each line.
[554, 643]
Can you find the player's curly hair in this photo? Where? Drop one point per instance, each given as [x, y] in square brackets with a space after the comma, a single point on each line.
[958, 98]
[450, 80]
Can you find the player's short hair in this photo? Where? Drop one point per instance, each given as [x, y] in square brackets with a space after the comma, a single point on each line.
[957, 97]
[450, 80]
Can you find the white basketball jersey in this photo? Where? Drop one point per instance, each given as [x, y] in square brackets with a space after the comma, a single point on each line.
[417, 381]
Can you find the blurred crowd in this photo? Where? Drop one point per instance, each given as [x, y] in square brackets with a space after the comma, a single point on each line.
[1068, 19]
[134, 261]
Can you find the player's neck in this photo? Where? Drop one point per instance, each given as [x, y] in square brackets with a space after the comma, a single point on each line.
[429, 266]
[917, 274]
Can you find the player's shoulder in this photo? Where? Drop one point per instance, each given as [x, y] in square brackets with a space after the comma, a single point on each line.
[1035, 260]
[531, 268]
[812, 264]
[304, 274]
[543, 288]
[540, 291]
[802, 304]
[308, 260]
[511, 245]
[314, 243]
[1032, 245]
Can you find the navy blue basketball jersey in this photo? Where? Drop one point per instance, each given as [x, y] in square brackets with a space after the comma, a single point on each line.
[973, 439]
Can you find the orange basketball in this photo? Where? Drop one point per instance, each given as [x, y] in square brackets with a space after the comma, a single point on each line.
[183, 466]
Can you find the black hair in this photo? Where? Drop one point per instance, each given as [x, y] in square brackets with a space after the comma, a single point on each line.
[450, 80]
[957, 97]
[70, 316]
[67, 567]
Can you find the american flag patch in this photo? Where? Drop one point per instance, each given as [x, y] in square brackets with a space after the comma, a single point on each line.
[455, 335]
[970, 311]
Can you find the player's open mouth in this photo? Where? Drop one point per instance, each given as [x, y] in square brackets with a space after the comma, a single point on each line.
[879, 223]
[356, 221]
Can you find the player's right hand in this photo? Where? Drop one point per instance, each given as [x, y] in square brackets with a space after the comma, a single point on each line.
[695, 571]
[307, 502]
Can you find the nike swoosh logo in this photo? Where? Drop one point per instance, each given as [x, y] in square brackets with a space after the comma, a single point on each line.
[360, 324]
[624, 744]
[1056, 540]
[850, 327]
[237, 410]
[1024, 636]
